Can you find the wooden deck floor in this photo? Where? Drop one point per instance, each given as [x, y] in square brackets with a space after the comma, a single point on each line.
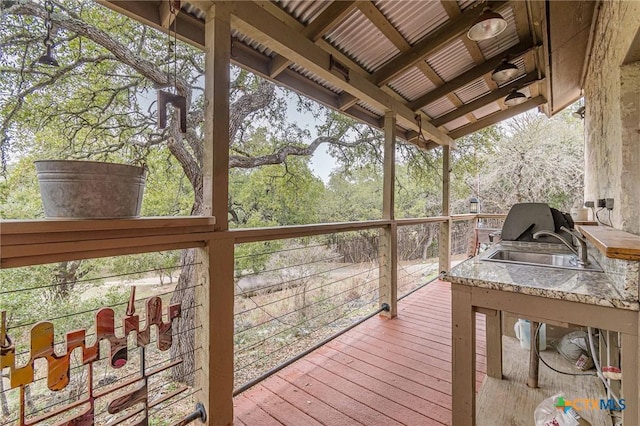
[382, 372]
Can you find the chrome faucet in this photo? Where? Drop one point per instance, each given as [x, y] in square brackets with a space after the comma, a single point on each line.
[581, 253]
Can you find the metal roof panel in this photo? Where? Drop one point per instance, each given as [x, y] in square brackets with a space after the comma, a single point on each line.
[304, 10]
[412, 84]
[371, 108]
[308, 74]
[413, 19]
[440, 107]
[252, 43]
[451, 61]
[473, 90]
[360, 39]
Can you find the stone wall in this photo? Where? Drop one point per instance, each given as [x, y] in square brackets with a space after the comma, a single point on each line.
[612, 121]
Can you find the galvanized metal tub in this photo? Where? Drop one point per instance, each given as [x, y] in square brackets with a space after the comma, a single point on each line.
[90, 189]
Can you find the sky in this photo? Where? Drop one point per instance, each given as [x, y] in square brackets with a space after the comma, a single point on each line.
[322, 164]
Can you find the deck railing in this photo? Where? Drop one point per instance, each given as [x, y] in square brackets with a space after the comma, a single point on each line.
[294, 287]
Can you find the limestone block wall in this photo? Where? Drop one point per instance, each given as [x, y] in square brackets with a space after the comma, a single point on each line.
[612, 120]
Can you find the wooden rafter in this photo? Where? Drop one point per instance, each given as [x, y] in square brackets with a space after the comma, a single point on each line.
[494, 96]
[325, 22]
[497, 117]
[426, 46]
[250, 20]
[469, 76]
[382, 23]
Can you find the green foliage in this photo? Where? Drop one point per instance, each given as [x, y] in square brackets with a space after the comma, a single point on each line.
[353, 194]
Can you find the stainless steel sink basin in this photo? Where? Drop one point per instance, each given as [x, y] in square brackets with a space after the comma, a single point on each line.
[554, 260]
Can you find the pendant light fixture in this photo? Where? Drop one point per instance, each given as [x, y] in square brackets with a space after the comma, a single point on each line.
[515, 98]
[488, 24]
[48, 58]
[504, 72]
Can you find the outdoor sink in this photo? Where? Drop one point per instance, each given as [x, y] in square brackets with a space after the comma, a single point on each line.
[553, 260]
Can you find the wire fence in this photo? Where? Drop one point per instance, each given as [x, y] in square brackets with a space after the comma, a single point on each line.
[68, 295]
[417, 256]
[291, 294]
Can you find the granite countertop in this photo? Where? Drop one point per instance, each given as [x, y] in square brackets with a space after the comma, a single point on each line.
[594, 288]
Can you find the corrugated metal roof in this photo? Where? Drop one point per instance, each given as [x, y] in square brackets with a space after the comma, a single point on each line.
[412, 84]
[458, 122]
[440, 107]
[486, 110]
[360, 39]
[250, 42]
[413, 19]
[473, 90]
[451, 61]
[303, 71]
[503, 41]
[370, 108]
[304, 10]
[465, 4]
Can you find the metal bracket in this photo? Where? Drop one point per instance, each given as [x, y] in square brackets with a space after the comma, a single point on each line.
[340, 68]
[177, 101]
[199, 413]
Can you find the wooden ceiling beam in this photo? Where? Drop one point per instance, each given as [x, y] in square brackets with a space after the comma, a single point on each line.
[390, 32]
[250, 20]
[494, 96]
[325, 22]
[497, 117]
[427, 45]
[469, 76]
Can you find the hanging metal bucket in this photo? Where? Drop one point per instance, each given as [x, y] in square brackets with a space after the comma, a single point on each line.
[90, 189]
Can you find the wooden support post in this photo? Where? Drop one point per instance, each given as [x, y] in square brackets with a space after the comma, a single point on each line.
[630, 378]
[216, 295]
[464, 356]
[494, 344]
[534, 363]
[444, 241]
[388, 292]
[612, 352]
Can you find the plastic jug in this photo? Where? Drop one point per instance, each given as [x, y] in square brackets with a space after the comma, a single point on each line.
[522, 328]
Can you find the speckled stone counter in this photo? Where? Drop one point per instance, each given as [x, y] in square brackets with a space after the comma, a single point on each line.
[594, 288]
[542, 294]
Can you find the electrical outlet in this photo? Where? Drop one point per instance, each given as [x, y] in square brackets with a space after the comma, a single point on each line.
[602, 202]
[589, 204]
[609, 203]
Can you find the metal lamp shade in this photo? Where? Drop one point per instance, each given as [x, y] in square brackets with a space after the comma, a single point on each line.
[488, 25]
[515, 98]
[48, 58]
[505, 72]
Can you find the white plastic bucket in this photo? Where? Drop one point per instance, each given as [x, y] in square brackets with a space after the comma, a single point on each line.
[522, 328]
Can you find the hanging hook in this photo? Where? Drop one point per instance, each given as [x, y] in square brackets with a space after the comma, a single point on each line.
[48, 58]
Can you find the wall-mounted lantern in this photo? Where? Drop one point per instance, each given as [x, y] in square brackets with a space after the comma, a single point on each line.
[474, 205]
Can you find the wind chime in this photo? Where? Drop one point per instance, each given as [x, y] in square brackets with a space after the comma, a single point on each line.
[48, 58]
[175, 99]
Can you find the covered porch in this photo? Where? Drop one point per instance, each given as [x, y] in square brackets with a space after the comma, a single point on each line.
[425, 83]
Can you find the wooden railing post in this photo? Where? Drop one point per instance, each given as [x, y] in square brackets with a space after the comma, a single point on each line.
[216, 297]
[444, 241]
[389, 237]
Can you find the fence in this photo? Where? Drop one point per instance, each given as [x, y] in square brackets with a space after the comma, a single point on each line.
[67, 290]
[93, 337]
